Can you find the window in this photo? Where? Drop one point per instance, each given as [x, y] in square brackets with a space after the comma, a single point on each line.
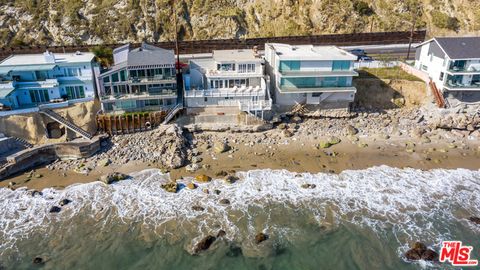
[133, 73]
[123, 76]
[106, 79]
[341, 65]
[242, 68]
[74, 72]
[108, 90]
[205, 99]
[424, 67]
[251, 68]
[316, 94]
[115, 77]
[289, 65]
[441, 76]
[226, 67]
[39, 96]
[75, 92]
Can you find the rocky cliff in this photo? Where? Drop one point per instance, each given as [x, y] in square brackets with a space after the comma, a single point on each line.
[58, 22]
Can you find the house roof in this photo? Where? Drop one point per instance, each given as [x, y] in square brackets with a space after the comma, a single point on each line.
[235, 56]
[39, 59]
[148, 54]
[310, 52]
[458, 47]
[4, 92]
[7, 69]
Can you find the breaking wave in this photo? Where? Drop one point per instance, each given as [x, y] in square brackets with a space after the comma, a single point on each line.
[403, 204]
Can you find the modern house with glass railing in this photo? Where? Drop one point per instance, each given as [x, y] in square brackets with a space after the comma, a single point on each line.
[229, 78]
[453, 64]
[306, 74]
[141, 79]
[30, 80]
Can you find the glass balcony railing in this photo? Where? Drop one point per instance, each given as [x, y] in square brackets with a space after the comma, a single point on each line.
[164, 93]
[151, 79]
[459, 85]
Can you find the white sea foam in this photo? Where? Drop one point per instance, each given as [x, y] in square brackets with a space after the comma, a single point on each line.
[411, 204]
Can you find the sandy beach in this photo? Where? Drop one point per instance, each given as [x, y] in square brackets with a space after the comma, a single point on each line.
[291, 154]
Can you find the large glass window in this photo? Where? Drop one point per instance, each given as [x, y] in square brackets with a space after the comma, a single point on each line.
[106, 79]
[39, 96]
[341, 65]
[123, 76]
[226, 67]
[75, 92]
[289, 65]
[251, 68]
[242, 68]
[115, 77]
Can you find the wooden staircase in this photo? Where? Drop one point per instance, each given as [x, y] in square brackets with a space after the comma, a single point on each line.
[439, 99]
[57, 117]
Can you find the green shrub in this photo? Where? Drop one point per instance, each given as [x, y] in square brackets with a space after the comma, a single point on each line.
[363, 8]
[442, 20]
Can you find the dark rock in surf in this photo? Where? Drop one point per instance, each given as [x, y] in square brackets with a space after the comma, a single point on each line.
[234, 251]
[261, 237]
[224, 201]
[113, 177]
[221, 233]
[55, 209]
[204, 244]
[197, 208]
[38, 261]
[430, 255]
[419, 251]
[217, 192]
[64, 202]
[475, 220]
[309, 186]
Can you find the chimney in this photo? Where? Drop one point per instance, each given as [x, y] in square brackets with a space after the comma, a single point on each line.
[49, 57]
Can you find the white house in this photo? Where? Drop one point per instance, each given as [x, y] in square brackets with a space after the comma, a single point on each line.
[33, 79]
[453, 64]
[306, 74]
[141, 79]
[229, 78]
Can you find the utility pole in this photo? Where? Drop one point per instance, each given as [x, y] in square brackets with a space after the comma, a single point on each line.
[178, 68]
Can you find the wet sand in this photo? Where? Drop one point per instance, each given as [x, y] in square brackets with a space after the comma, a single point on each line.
[296, 156]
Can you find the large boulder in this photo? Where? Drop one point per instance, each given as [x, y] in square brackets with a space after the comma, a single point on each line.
[221, 147]
[475, 220]
[331, 141]
[202, 178]
[113, 177]
[260, 237]
[419, 251]
[204, 244]
[171, 187]
[351, 130]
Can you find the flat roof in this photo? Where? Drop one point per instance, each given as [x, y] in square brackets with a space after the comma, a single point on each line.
[310, 52]
[39, 59]
[235, 55]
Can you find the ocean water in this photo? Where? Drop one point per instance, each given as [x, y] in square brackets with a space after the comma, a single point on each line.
[363, 219]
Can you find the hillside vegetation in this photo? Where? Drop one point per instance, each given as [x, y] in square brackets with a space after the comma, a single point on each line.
[59, 22]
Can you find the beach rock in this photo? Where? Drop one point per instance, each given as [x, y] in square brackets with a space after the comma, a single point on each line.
[38, 261]
[191, 185]
[197, 208]
[351, 130]
[221, 174]
[206, 191]
[171, 187]
[221, 147]
[475, 220]
[196, 159]
[324, 144]
[204, 244]
[113, 177]
[230, 179]
[216, 192]
[287, 133]
[104, 162]
[34, 193]
[202, 178]
[308, 186]
[64, 202]
[282, 126]
[55, 209]
[429, 255]
[192, 167]
[234, 251]
[260, 237]
[224, 201]
[419, 251]
[221, 233]
[297, 119]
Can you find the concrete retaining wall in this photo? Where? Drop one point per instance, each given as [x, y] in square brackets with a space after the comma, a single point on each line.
[44, 154]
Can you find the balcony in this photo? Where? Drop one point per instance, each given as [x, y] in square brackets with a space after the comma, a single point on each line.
[315, 89]
[153, 79]
[140, 95]
[457, 86]
[48, 83]
[313, 73]
[465, 67]
[227, 92]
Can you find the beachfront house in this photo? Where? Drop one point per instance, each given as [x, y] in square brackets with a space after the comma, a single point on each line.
[453, 64]
[141, 79]
[314, 75]
[31, 80]
[228, 79]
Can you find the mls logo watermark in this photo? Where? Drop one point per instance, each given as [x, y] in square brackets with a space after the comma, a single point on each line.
[457, 254]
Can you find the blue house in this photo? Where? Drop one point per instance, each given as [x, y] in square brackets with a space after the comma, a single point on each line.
[30, 80]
